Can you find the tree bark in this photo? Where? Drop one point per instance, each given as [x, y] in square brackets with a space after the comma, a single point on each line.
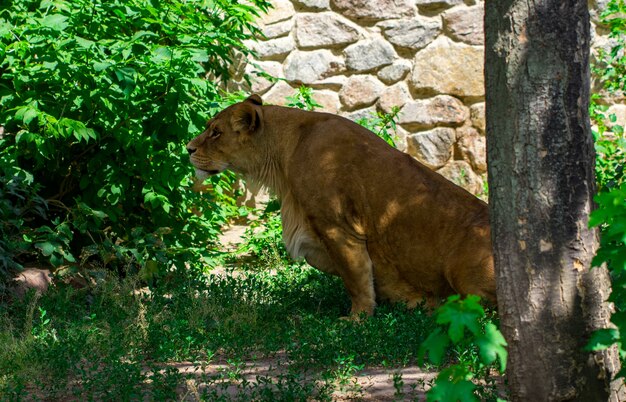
[541, 186]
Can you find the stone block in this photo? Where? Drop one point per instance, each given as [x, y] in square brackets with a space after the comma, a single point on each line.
[360, 91]
[440, 110]
[368, 55]
[461, 174]
[275, 49]
[472, 148]
[477, 114]
[395, 72]
[450, 68]
[324, 30]
[433, 148]
[375, 10]
[413, 34]
[280, 11]
[465, 24]
[396, 95]
[308, 67]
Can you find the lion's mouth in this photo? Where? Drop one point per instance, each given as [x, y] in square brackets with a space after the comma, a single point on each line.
[205, 169]
[204, 173]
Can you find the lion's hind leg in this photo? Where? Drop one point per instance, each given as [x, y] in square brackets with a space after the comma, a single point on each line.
[396, 290]
[477, 279]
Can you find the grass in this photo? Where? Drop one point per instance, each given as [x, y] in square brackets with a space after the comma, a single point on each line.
[115, 341]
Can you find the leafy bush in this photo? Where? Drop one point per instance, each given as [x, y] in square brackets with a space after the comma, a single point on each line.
[610, 215]
[98, 99]
[610, 70]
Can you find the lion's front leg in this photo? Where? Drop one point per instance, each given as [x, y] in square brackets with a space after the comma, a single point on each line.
[354, 266]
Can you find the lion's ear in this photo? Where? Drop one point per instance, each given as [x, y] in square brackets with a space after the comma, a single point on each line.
[244, 118]
[255, 99]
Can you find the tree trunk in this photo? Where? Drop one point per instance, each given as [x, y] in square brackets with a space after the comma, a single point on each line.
[541, 186]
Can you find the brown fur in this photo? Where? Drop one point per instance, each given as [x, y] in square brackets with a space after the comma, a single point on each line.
[353, 206]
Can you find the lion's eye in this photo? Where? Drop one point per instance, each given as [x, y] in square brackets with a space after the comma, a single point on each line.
[215, 134]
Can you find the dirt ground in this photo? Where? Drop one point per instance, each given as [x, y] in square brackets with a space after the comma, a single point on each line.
[371, 384]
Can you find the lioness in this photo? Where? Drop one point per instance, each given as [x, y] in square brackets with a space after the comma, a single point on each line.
[353, 206]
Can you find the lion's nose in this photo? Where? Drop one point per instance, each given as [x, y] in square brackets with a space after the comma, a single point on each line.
[191, 150]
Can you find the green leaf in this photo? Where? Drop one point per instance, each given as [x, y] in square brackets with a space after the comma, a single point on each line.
[149, 197]
[149, 270]
[126, 77]
[435, 345]
[272, 206]
[56, 260]
[50, 65]
[596, 218]
[77, 129]
[101, 65]
[161, 54]
[27, 113]
[492, 346]
[166, 206]
[602, 339]
[143, 34]
[69, 257]
[199, 55]
[57, 22]
[453, 384]
[46, 248]
[84, 43]
[461, 314]
[619, 319]
[30, 115]
[447, 391]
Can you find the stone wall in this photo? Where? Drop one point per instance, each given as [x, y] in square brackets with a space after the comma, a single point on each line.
[362, 56]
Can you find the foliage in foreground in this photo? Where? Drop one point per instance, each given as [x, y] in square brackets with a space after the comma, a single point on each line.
[466, 328]
[97, 100]
[610, 215]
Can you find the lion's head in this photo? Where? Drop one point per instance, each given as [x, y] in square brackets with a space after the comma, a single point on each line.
[228, 139]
